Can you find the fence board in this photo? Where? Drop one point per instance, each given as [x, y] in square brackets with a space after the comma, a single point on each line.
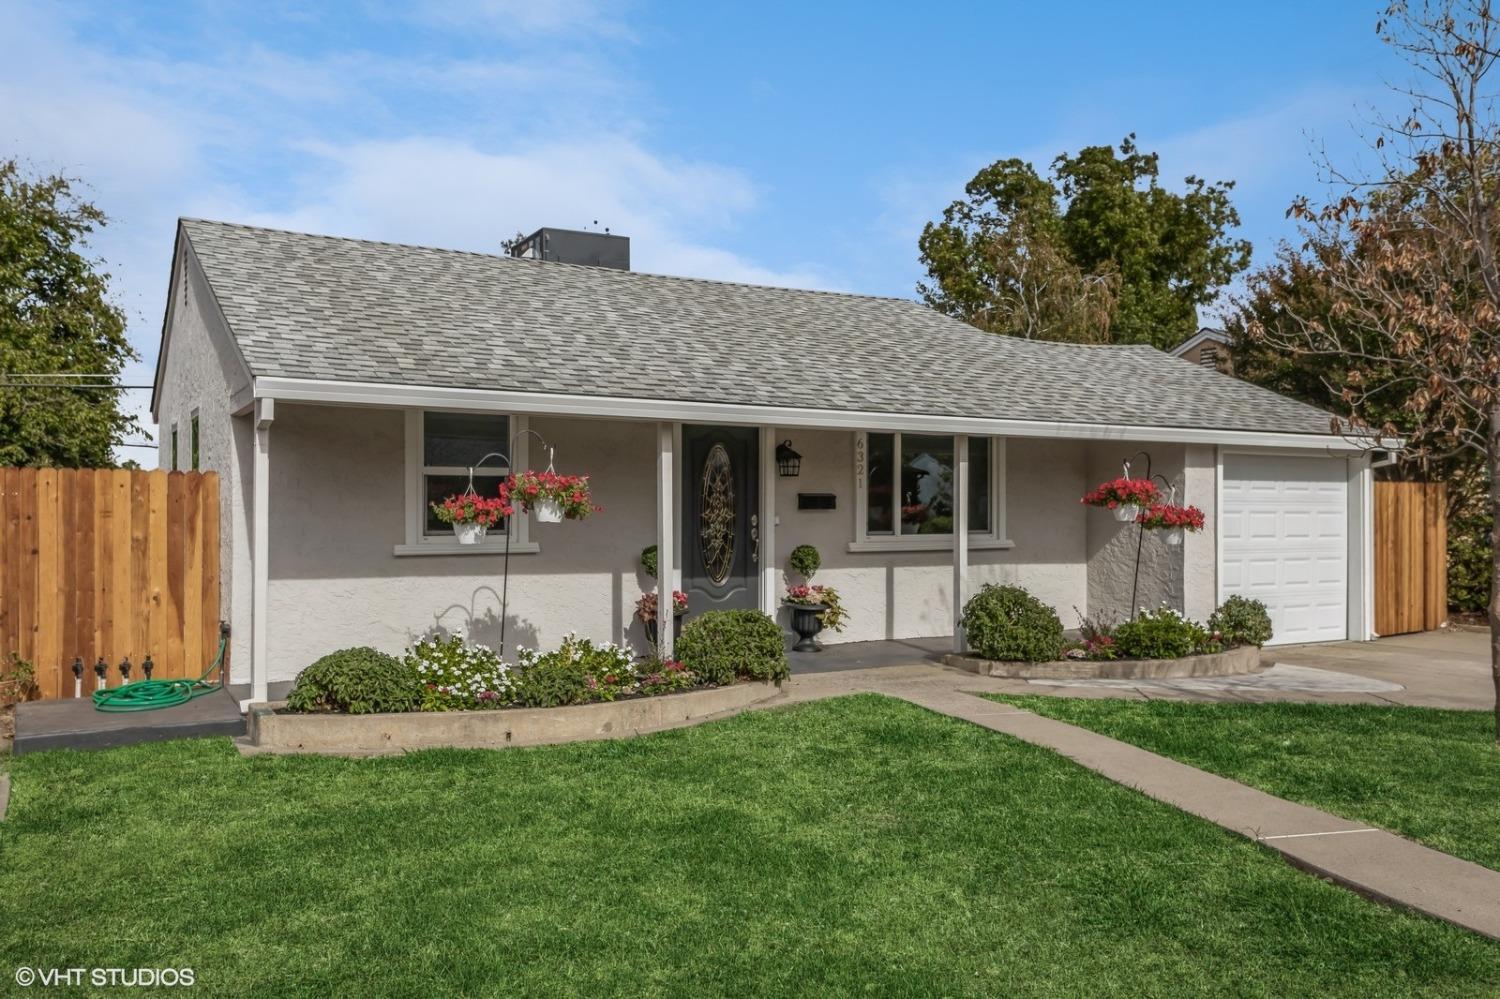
[1411, 557]
[108, 563]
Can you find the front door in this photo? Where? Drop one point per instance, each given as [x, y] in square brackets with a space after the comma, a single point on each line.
[720, 517]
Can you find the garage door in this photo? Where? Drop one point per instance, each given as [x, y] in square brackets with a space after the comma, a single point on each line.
[1285, 541]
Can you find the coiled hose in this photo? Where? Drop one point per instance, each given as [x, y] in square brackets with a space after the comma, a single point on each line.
[148, 695]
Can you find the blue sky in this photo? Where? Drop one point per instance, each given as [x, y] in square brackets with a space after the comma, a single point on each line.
[799, 144]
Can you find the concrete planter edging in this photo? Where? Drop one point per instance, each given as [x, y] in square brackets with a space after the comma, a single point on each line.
[1234, 662]
[288, 732]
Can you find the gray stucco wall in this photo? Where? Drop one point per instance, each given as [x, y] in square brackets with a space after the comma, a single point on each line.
[202, 370]
[337, 509]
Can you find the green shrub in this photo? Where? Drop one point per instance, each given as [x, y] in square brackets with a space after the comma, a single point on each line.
[457, 675]
[1469, 562]
[1241, 621]
[1161, 634]
[359, 681]
[1007, 624]
[805, 561]
[720, 646]
[577, 671]
[648, 560]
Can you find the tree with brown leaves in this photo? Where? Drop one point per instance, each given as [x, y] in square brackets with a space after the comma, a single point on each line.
[1410, 283]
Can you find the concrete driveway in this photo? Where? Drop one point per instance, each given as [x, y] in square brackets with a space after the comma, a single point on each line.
[1437, 669]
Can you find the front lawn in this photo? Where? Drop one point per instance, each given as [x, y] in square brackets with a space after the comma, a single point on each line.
[1427, 774]
[860, 845]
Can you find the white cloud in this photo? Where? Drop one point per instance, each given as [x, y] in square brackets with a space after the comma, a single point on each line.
[337, 144]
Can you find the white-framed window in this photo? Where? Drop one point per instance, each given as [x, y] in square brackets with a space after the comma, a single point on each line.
[903, 492]
[441, 446]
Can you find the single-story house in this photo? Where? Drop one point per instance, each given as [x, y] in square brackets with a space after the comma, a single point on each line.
[339, 385]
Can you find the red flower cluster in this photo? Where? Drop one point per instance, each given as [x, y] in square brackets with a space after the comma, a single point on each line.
[470, 508]
[645, 607]
[1160, 516]
[1141, 492]
[812, 596]
[571, 492]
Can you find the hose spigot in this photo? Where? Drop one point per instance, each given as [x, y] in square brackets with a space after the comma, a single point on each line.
[147, 666]
[125, 669]
[78, 667]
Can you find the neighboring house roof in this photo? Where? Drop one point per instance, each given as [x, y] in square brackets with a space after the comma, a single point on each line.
[1204, 335]
[324, 308]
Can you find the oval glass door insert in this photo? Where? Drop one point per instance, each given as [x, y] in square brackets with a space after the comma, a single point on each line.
[716, 514]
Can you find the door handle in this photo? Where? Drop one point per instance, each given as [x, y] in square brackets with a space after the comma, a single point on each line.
[755, 538]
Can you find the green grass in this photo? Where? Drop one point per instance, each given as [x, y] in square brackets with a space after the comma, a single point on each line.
[1430, 775]
[856, 846]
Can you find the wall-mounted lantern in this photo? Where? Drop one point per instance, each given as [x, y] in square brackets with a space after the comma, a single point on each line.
[788, 462]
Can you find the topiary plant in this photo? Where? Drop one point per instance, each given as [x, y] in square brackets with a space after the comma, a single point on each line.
[1007, 624]
[648, 560]
[805, 561]
[359, 681]
[721, 646]
[1241, 621]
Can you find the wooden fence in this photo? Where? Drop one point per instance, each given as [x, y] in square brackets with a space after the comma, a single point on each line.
[108, 563]
[1411, 557]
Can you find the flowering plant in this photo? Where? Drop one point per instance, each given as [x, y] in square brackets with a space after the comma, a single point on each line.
[1119, 492]
[665, 677]
[570, 492]
[471, 508]
[645, 607]
[605, 670]
[817, 595]
[1161, 516]
[455, 674]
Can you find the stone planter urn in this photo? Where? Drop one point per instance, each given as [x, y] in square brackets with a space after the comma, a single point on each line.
[806, 622]
[651, 630]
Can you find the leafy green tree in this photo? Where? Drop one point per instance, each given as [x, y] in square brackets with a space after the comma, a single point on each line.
[1097, 251]
[56, 319]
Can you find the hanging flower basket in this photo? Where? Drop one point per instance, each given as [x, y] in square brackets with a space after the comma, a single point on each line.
[550, 497]
[1125, 497]
[1174, 521]
[471, 515]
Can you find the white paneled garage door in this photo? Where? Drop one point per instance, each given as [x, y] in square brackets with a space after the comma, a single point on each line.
[1284, 529]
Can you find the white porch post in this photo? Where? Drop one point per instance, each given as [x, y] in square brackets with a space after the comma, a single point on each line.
[768, 588]
[260, 540]
[666, 550]
[960, 536]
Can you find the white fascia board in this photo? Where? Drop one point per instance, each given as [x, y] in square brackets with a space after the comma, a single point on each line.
[380, 395]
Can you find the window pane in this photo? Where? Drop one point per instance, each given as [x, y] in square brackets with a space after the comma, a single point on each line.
[880, 460]
[979, 484]
[461, 439]
[926, 484]
[440, 487]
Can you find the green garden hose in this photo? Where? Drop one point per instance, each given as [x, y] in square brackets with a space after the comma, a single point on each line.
[148, 695]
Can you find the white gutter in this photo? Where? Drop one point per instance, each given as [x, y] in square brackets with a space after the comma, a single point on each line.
[390, 396]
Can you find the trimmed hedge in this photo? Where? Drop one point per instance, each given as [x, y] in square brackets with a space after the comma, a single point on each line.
[359, 681]
[1241, 621]
[1007, 624]
[722, 646]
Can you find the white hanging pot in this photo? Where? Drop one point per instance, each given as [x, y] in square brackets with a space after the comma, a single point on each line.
[1173, 535]
[1126, 512]
[549, 511]
[468, 533]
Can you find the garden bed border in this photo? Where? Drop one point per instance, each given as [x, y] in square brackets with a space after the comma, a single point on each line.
[280, 731]
[1237, 661]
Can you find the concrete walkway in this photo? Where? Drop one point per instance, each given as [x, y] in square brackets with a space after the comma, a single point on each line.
[1371, 862]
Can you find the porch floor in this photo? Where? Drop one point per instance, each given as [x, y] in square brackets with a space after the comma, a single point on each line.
[870, 655]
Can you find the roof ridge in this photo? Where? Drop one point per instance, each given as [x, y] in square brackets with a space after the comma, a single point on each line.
[508, 257]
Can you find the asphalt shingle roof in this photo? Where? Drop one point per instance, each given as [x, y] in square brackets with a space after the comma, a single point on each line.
[304, 306]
